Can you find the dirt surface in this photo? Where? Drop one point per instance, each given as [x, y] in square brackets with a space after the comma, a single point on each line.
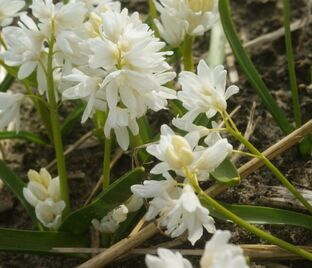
[252, 18]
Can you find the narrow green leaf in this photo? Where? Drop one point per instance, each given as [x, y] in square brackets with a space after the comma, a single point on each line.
[267, 215]
[24, 135]
[16, 185]
[6, 83]
[226, 173]
[250, 70]
[116, 194]
[71, 119]
[38, 242]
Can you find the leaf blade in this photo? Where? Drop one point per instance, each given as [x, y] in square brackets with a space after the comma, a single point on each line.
[24, 135]
[116, 194]
[250, 70]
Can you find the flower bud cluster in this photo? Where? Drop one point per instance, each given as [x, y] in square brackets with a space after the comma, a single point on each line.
[43, 193]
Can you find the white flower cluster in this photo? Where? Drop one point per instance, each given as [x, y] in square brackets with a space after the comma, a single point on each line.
[176, 204]
[111, 222]
[43, 193]
[101, 55]
[181, 17]
[218, 254]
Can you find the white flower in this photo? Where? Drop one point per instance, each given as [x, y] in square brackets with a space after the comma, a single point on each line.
[8, 10]
[110, 223]
[193, 17]
[49, 213]
[87, 89]
[188, 215]
[100, 6]
[178, 210]
[133, 68]
[167, 259]
[25, 49]
[220, 254]
[205, 92]
[41, 187]
[177, 153]
[10, 109]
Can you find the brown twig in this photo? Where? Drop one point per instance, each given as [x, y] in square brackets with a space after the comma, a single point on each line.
[125, 245]
[255, 252]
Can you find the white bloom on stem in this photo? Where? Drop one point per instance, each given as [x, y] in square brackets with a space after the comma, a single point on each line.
[188, 215]
[41, 187]
[100, 6]
[220, 254]
[178, 18]
[10, 109]
[110, 223]
[135, 71]
[9, 9]
[177, 152]
[87, 85]
[178, 210]
[167, 259]
[205, 92]
[49, 213]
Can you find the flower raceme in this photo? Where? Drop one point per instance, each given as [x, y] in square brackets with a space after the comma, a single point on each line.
[218, 253]
[43, 193]
[177, 153]
[178, 209]
[181, 17]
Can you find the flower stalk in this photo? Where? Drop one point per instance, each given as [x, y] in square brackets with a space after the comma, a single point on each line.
[188, 53]
[236, 134]
[106, 162]
[253, 229]
[56, 129]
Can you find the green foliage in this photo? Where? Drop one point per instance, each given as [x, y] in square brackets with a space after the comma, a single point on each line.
[23, 135]
[38, 242]
[250, 70]
[226, 173]
[16, 185]
[111, 197]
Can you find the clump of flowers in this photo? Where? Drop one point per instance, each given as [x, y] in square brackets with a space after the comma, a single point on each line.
[185, 17]
[43, 193]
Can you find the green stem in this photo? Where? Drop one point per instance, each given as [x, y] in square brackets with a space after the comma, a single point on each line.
[106, 162]
[56, 130]
[269, 164]
[291, 64]
[188, 54]
[249, 227]
[153, 15]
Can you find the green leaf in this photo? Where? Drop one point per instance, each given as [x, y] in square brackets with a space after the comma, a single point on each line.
[38, 242]
[16, 185]
[111, 197]
[250, 70]
[24, 135]
[267, 215]
[226, 173]
[72, 118]
[6, 83]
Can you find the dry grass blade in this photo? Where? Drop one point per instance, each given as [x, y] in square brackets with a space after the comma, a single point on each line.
[255, 252]
[127, 244]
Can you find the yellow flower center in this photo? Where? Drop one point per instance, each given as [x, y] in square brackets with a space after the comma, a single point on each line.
[201, 5]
